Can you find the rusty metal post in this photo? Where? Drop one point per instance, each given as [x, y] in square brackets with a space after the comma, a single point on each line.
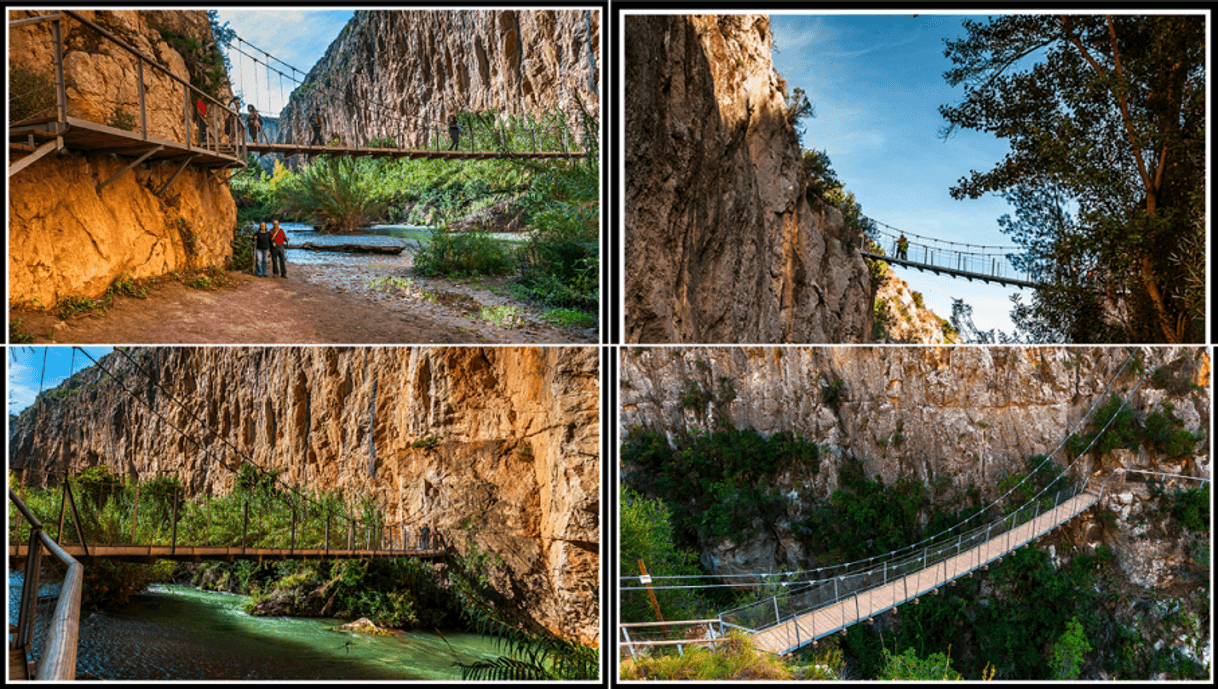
[189, 138]
[135, 512]
[173, 545]
[245, 524]
[292, 546]
[76, 518]
[647, 582]
[61, 93]
[327, 534]
[63, 505]
[139, 62]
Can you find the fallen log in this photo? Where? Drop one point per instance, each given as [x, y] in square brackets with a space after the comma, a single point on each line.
[351, 248]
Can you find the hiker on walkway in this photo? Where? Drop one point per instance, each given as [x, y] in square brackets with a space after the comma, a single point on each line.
[262, 245]
[254, 124]
[454, 132]
[201, 120]
[902, 247]
[279, 264]
[425, 538]
[315, 122]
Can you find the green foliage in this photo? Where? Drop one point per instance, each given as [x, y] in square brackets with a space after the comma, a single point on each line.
[798, 108]
[31, 93]
[243, 248]
[569, 318]
[908, 666]
[121, 119]
[1165, 433]
[693, 397]
[1191, 508]
[1067, 652]
[1123, 148]
[735, 659]
[463, 253]
[646, 534]
[1123, 431]
[832, 395]
[339, 193]
[718, 483]
[429, 442]
[820, 172]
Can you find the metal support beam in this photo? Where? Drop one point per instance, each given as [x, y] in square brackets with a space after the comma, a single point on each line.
[175, 174]
[135, 162]
[31, 158]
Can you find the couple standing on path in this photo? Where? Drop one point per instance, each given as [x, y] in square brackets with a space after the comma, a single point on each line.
[275, 243]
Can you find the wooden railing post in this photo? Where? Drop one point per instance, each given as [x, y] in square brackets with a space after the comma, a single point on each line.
[292, 547]
[327, 534]
[61, 94]
[80, 533]
[189, 138]
[245, 524]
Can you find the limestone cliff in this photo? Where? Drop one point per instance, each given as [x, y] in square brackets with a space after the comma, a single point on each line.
[900, 317]
[957, 415]
[723, 241]
[403, 73]
[517, 429]
[66, 238]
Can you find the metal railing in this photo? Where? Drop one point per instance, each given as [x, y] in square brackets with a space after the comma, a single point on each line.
[644, 635]
[47, 637]
[91, 513]
[977, 259]
[155, 85]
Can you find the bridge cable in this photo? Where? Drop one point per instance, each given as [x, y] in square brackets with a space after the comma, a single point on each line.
[1098, 399]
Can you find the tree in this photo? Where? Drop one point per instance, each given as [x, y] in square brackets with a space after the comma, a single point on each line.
[1106, 121]
[1067, 653]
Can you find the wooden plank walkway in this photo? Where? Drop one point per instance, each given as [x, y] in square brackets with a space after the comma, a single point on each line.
[794, 633]
[18, 671]
[184, 552]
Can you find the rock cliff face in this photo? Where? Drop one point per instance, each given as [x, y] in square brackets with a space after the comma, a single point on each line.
[403, 73]
[517, 429]
[66, 238]
[900, 318]
[724, 241]
[956, 415]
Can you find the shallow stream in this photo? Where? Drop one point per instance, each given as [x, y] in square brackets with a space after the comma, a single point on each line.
[180, 632]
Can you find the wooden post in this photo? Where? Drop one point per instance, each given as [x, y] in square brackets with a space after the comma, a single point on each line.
[63, 505]
[188, 136]
[61, 94]
[135, 512]
[245, 524]
[327, 534]
[76, 518]
[655, 605]
[207, 522]
[292, 546]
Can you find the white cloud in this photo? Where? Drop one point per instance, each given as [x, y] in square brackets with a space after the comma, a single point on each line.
[20, 393]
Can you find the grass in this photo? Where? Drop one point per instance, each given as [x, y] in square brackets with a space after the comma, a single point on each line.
[734, 659]
[18, 336]
[569, 318]
[389, 284]
[502, 316]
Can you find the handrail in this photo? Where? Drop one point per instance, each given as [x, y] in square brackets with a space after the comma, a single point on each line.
[58, 661]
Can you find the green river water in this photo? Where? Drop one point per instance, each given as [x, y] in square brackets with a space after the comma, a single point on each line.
[179, 632]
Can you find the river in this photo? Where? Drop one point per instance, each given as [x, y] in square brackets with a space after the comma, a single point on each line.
[180, 632]
[377, 235]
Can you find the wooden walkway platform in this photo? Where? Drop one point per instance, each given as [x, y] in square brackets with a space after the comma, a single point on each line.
[794, 633]
[966, 274]
[81, 134]
[145, 553]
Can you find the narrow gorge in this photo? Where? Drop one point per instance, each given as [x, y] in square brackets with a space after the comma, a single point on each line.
[497, 444]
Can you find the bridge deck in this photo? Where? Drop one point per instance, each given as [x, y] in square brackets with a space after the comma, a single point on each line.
[81, 134]
[185, 552]
[792, 634]
[966, 274]
[423, 153]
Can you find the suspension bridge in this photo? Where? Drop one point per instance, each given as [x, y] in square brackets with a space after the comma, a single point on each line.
[968, 261]
[178, 123]
[813, 604]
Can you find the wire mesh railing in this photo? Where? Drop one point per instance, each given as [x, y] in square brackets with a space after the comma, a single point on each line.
[908, 577]
[978, 259]
[44, 599]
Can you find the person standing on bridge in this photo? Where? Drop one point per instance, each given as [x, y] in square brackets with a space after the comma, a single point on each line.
[262, 244]
[279, 264]
[454, 133]
[201, 120]
[254, 124]
[902, 248]
[315, 122]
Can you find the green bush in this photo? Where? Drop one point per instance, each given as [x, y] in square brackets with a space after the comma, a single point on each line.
[339, 193]
[462, 253]
[31, 93]
[646, 534]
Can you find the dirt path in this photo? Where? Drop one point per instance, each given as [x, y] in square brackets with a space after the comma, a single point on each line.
[317, 304]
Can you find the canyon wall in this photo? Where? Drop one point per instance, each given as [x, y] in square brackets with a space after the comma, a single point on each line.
[516, 444]
[946, 416]
[402, 74]
[724, 241]
[66, 238]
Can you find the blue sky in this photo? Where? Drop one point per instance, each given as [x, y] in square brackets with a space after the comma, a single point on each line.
[298, 37]
[25, 369]
[876, 82]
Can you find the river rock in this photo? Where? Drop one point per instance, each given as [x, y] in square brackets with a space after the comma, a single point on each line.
[363, 626]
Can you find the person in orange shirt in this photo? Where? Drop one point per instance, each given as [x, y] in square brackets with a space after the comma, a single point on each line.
[279, 240]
